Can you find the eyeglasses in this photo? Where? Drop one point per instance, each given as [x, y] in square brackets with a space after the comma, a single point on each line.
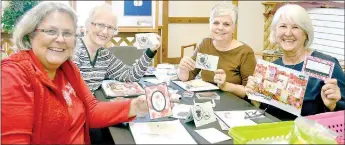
[254, 114]
[101, 26]
[55, 33]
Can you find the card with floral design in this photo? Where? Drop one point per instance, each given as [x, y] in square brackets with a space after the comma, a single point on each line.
[318, 68]
[279, 86]
[114, 89]
[158, 101]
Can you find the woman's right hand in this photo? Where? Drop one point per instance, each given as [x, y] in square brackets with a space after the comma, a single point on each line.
[250, 85]
[187, 64]
[249, 89]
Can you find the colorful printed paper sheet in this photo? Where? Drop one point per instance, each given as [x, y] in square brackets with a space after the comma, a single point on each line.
[279, 86]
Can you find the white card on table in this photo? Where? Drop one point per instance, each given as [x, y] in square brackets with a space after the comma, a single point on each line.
[201, 113]
[206, 62]
[318, 68]
[180, 111]
[213, 135]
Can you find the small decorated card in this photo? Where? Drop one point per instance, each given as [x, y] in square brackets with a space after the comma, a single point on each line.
[146, 40]
[201, 114]
[208, 95]
[279, 86]
[158, 101]
[206, 62]
[318, 68]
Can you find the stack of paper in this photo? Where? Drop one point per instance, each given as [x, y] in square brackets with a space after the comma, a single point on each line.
[196, 85]
[165, 132]
[234, 118]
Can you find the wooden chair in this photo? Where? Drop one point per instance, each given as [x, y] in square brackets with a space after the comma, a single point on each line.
[127, 54]
[187, 46]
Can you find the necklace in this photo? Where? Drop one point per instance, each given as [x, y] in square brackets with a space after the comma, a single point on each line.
[294, 62]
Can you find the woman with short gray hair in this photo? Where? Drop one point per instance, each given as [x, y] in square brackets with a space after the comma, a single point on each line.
[44, 98]
[292, 30]
[236, 59]
[101, 27]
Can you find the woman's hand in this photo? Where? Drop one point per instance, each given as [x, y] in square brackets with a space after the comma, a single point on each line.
[186, 64]
[249, 88]
[219, 77]
[138, 106]
[330, 93]
[159, 39]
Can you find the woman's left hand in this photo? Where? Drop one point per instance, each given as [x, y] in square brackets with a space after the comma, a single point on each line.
[159, 39]
[219, 77]
[330, 93]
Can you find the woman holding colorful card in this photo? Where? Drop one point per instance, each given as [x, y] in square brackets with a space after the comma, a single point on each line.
[292, 30]
[235, 61]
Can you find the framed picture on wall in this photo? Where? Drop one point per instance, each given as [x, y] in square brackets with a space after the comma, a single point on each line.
[138, 8]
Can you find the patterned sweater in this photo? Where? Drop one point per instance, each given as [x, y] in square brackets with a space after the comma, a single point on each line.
[107, 66]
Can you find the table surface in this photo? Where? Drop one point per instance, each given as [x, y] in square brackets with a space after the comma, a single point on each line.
[121, 133]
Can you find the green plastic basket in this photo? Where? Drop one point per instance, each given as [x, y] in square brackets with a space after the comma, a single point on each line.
[243, 134]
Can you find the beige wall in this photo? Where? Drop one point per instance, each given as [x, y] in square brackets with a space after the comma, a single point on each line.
[184, 34]
[250, 24]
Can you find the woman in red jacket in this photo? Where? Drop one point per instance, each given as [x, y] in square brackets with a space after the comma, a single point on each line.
[44, 98]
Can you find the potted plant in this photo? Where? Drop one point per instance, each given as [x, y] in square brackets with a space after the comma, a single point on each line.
[13, 10]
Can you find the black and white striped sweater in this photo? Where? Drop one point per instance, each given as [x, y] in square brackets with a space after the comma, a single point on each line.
[107, 66]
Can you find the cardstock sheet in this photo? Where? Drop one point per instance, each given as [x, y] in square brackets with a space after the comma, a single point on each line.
[213, 135]
[162, 132]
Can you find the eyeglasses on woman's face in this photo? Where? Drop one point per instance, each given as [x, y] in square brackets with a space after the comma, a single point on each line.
[101, 26]
[54, 33]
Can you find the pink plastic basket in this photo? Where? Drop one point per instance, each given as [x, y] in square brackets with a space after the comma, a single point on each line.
[332, 120]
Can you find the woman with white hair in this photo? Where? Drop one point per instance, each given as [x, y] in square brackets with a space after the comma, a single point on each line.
[44, 99]
[292, 29]
[97, 63]
[236, 59]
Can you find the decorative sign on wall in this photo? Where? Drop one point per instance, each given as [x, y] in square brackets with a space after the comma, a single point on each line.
[138, 8]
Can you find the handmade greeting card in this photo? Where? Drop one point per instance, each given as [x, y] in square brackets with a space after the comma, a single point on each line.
[146, 40]
[279, 86]
[318, 68]
[201, 114]
[158, 101]
[206, 62]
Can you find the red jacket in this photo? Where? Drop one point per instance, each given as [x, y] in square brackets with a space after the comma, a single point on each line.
[34, 111]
